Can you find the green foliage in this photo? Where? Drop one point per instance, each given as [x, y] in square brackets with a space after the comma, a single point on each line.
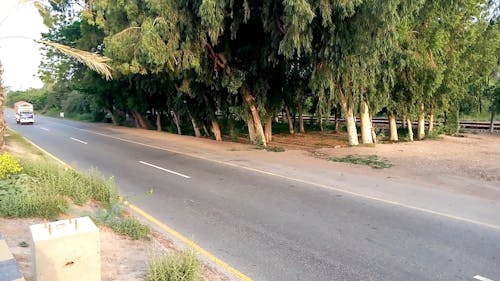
[113, 216]
[372, 161]
[9, 165]
[21, 196]
[37, 97]
[175, 266]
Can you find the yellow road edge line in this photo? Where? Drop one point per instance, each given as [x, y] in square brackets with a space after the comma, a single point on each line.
[352, 193]
[165, 227]
[189, 242]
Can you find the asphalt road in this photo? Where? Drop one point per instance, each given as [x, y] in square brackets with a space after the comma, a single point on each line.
[271, 228]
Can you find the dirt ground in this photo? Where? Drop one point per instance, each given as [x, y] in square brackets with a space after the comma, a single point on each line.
[474, 157]
[121, 258]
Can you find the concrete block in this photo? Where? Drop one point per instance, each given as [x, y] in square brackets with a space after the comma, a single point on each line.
[66, 250]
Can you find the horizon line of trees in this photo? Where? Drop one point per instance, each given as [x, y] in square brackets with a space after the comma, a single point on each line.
[194, 61]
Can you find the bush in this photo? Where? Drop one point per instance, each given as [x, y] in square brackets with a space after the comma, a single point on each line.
[177, 266]
[9, 166]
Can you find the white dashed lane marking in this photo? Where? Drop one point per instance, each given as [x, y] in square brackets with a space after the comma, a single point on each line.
[166, 170]
[80, 141]
[481, 278]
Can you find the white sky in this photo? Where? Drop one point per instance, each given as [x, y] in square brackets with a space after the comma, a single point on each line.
[20, 57]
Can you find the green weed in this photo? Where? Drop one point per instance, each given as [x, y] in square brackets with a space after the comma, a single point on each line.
[114, 218]
[177, 266]
[275, 149]
[372, 161]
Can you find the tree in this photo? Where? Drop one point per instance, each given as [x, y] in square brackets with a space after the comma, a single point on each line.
[93, 61]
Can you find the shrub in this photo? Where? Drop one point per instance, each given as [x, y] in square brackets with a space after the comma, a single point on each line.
[9, 166]
[177, 266]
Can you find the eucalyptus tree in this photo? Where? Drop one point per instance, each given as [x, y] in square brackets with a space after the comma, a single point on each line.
[351, 41]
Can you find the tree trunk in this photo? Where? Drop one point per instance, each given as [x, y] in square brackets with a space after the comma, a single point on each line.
[366, 130]
[393, 129]
[410, 129]
[289, 118]
[113, 117]
[158, 121]
[301, 118]
[352, 132]
[269, 128]
[374, 134]
[177, 122]
[431, 119]
[205, 130]
[492, 119]
[259, 130]
[213, 118]
[196, 129]
[421, 123]
[140, 122]
[337, 123]
[251, 128]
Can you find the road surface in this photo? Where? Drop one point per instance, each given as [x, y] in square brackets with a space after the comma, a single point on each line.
[273, 228]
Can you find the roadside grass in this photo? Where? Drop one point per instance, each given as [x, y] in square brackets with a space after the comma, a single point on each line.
[17, 140]
[372, 161]
[43, 188]
[175, 266]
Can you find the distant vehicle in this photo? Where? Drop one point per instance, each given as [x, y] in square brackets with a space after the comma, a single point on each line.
[24, 112]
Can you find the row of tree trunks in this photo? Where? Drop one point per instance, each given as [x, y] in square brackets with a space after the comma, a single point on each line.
[255, 116]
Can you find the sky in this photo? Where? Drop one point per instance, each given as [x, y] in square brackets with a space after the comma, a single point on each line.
[20, 57]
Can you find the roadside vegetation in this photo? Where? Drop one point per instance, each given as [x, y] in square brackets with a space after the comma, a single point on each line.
[37, 187]
[32, 185]
[371, 160]
[175, 266]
